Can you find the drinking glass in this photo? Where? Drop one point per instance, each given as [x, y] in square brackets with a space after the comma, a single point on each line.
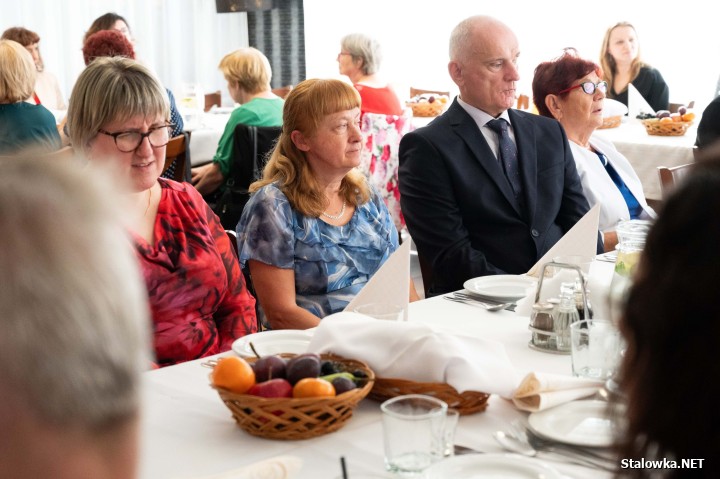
[413, 432]
[596, 347]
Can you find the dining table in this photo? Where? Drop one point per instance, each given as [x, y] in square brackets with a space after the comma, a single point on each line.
[187, 432]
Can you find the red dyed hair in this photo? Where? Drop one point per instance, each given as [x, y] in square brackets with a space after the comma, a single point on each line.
[559, 74]
[107, 43]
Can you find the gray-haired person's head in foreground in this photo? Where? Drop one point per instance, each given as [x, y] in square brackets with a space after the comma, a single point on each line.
[75, 325]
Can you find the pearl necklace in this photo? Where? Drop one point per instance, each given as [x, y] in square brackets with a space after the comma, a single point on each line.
[337, 216]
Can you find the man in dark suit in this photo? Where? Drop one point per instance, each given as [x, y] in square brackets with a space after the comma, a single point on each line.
[479, 201]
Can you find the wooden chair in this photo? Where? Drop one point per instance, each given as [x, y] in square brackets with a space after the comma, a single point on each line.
[673, 107]
[213, 99]
[417, 91]
[282, 91]
[232, 236]
[670, 176]
[177, 151]
[523, 102]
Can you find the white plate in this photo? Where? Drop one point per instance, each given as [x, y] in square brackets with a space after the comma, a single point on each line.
[487, 466]
[504, 287]
[273, 342]
[582, 423]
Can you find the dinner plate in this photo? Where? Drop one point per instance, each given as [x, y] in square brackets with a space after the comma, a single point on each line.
[503, 287]
[495, 466]
[273, 342]
[582, 423]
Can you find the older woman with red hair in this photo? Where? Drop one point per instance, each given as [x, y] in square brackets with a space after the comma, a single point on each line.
[572, 90]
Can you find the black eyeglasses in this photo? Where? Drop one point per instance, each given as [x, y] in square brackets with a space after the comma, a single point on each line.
[129, 141]
[588, 87]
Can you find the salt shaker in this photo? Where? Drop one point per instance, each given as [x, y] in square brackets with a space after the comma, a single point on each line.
[565, 314]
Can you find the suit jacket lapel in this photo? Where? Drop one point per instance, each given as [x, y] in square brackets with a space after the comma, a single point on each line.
[527, 159]
[466, 128]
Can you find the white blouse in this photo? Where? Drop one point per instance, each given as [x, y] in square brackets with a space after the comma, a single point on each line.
[600, 188]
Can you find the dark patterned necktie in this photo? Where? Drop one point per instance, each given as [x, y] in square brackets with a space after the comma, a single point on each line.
[508, 157]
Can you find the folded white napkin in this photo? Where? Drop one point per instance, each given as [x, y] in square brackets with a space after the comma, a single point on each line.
[613, 108]
[539, 391]
[280, 467]
[390, 284]
[581, 239]
[412, 351]
[637, 104]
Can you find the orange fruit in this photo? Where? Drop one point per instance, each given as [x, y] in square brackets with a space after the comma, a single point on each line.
[676, 117]
[234, 374]
[313, 387]
[666, 119]
[689, 116]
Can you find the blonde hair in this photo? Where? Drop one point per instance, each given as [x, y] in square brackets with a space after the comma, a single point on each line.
[305, 108]
[608, 64]
[247, 67]
[112, 89]
[17, 72]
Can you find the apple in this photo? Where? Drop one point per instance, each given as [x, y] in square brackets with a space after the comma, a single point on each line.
[273, 388]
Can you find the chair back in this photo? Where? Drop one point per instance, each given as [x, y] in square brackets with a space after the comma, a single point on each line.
[250, 151]
[282, 91]
[673, 107]
[177, 151]
[671, 176]
[232, 236]
[213, 99]
[418, 91]
[379, 158]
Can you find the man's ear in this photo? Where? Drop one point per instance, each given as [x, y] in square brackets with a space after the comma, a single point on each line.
[456, 72]
[299, 140]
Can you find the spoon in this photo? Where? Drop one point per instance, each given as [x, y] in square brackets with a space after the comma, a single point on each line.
[474, 302]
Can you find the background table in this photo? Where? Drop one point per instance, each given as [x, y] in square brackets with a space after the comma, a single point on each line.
[188, 432]
[205, 134]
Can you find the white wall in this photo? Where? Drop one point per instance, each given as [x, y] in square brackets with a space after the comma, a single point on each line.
[181, 40]
[677, 37]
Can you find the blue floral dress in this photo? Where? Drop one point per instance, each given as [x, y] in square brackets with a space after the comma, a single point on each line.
[331, 263]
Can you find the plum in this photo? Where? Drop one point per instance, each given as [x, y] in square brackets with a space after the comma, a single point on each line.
[343, 384]
[682, 110]
[303, 366]
[269, 367]
[662, 113]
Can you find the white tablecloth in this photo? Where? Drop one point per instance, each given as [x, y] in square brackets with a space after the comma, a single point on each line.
[205, 135]
[187, 431]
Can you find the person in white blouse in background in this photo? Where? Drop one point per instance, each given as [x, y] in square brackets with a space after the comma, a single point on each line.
[570, 89]
[47, 90]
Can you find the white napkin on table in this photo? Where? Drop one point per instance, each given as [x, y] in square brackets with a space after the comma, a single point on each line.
[412, 351]
[390, 284]
[637, 104]
[613, 108]
[280, 467]
[539, 391]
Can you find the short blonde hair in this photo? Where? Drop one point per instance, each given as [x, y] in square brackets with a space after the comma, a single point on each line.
[17, 72]
[247, 67]
[305, 108]
[112, 89]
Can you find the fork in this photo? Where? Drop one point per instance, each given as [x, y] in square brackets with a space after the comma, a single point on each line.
[475, 302]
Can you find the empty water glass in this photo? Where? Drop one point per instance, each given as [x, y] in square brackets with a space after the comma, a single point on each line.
[596, 348]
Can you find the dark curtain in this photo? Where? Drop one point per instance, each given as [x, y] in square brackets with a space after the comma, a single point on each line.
[280, 34]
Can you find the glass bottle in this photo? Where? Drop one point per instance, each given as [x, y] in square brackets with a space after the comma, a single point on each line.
[628, 255]
[565, 314]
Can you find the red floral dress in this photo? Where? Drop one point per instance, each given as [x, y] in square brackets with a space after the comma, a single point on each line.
[197, 292]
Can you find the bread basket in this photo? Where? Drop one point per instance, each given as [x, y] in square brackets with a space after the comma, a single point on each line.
[468, 402]
[611, 122]
[655, 127]
[302, 418]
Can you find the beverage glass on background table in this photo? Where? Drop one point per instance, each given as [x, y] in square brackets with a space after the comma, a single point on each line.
[413, 433]
[596, 347]
[392, 312]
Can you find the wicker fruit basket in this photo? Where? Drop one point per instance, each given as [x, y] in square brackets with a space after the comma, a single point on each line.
[610, 122]
[424, 108]
[468, 402]
[290, 418]
[656, 127]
